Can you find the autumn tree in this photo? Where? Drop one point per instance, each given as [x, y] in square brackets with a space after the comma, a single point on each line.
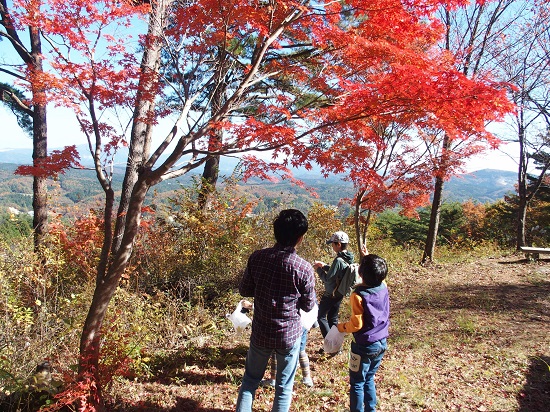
[425, 100]
[303, 81]
[526, 66]
[498, 222]
[474, 215]
[473, 35]
[396, 174]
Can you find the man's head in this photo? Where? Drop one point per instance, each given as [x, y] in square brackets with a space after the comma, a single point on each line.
[373, 270]
[289, 227]
[340, 239]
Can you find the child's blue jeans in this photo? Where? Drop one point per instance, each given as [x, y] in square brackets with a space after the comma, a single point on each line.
[364, 362]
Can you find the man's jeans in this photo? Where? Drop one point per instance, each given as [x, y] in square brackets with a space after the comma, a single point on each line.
[364, 362]
[329, 306]
[256, 363]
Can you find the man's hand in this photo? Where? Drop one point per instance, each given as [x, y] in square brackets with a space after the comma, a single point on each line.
[318, 264]
[246, 306]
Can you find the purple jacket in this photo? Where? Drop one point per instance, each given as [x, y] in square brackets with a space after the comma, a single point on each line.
[376, 314]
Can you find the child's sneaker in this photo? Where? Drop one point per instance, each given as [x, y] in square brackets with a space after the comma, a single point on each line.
[267, 382]
[308, 382]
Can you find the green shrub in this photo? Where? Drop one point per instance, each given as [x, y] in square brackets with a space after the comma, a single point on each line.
[13, 227]
[40, 317]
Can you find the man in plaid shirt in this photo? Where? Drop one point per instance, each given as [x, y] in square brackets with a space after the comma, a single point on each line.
[281, 283]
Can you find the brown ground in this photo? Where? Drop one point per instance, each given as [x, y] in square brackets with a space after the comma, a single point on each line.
[469, 336]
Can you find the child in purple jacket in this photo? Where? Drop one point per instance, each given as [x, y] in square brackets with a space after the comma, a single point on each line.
[369, 323]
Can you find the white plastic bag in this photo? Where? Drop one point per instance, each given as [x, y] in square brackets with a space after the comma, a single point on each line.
[239, 320]
[334, 340]
[309, 318]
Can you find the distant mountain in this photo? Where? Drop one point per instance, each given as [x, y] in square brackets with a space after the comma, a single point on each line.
[483, 186]
[227, 164]
[17, 156]
[80, 186]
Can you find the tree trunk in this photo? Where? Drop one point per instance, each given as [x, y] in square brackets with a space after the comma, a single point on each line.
[433, 228]
[522, 182]
[361, 230]
[357, 220]
[212, 165]
[39, 187]
[142, 128]
[521, 217]
[40, 146]
[209, 180]
[114, 260]
[104, 291]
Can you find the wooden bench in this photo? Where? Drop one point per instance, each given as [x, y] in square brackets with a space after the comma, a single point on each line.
[534, 251]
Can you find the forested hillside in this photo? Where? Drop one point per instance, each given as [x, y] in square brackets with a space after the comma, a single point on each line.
[80, 187]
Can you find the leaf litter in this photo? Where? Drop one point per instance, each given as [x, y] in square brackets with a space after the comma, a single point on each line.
[471, 336]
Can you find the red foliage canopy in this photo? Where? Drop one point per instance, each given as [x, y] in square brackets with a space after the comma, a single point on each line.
[305, 80]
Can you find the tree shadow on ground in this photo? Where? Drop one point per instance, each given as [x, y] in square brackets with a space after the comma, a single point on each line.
[170, 373]
[498, 297]
[526, 260]
[527, 297]
[535, 396]
[182, 405]
[206, 365]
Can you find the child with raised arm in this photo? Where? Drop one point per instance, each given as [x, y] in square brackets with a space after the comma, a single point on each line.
[329, 306]
[369, 323]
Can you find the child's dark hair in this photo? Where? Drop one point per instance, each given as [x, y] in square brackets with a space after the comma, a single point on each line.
[373, 270]
[289, 226]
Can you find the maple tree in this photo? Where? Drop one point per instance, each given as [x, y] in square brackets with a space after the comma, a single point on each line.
[390, 171]
[473, 35]
[395, 174]
[307, 82]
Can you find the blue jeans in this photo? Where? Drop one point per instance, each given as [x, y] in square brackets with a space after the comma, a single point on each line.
[364, 362]
[256, 363]
[329, 306]
[303, 340]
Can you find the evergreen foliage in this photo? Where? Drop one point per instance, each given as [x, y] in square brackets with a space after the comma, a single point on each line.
[10, 96]
[13, 227]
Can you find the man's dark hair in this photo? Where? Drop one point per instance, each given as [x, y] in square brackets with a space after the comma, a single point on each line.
[373, 270]
[289, 226]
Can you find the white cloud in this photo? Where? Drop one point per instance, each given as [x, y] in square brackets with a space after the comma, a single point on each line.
[502, 159]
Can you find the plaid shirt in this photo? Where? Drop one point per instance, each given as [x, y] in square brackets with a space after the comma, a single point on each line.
[281, 283]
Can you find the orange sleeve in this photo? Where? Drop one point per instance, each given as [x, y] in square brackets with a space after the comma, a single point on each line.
[355, 322]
